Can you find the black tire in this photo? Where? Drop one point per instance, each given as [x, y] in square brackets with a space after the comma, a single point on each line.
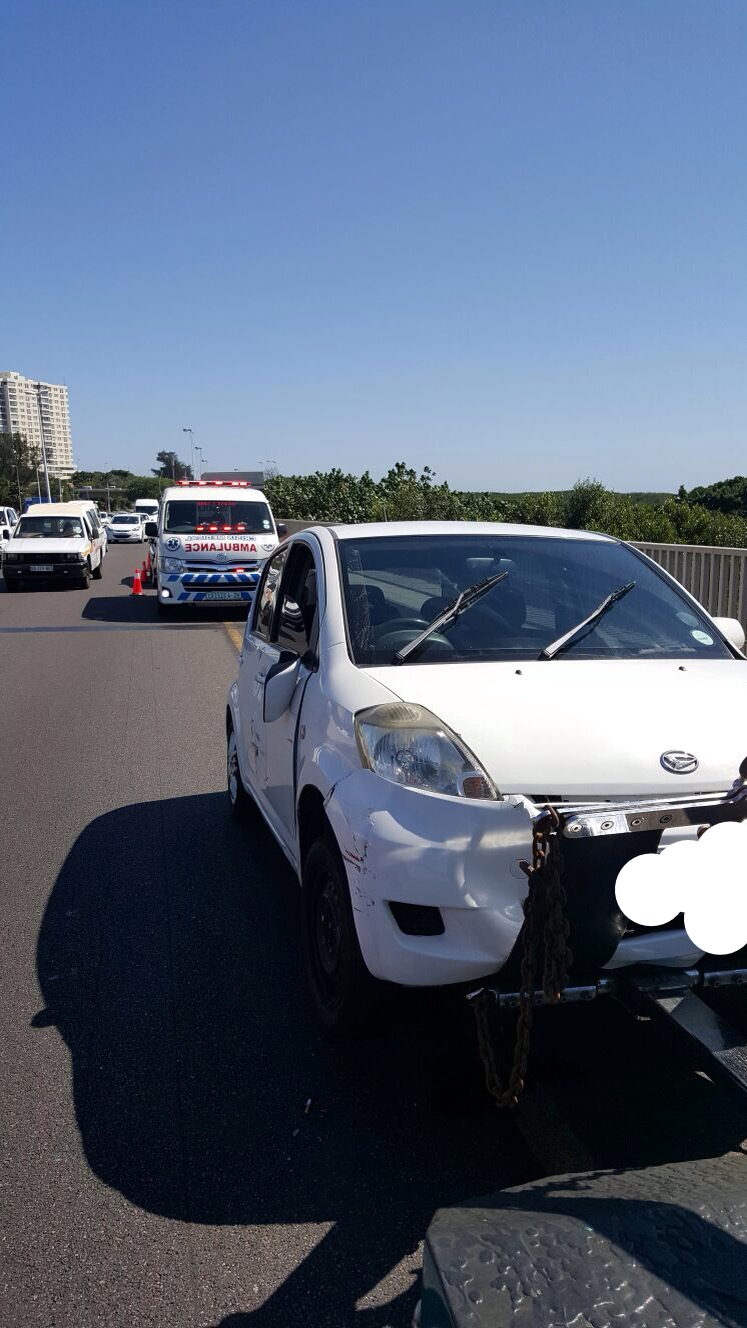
[242, 806]
[12, 586]
[98, 572]
[343, 992]
[85, 579]
[165, 610]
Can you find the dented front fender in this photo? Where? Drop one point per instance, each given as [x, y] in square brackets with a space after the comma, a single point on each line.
[458, 855]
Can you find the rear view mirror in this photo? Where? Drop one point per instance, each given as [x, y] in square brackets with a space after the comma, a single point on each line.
[151, 529]
[280, 684]
[732, 630]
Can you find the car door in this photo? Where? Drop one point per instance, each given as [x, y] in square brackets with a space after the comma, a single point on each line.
[295, 630]
[256, 656]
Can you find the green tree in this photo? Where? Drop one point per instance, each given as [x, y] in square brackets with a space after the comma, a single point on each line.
[729, 496]
[142, 486]
[171, 468]
[18, 462]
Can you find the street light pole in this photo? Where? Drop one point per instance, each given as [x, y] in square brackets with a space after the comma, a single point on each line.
[192, 442]
[199, 464]
[43, 447]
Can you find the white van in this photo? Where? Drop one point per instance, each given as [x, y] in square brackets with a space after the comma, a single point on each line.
[211, 542]
[56, 542]
[149, 506]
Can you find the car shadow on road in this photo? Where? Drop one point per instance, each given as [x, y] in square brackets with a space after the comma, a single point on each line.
[139, 609]
[169, 961]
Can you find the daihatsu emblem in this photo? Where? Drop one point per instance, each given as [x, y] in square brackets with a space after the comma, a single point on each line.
[679, 763]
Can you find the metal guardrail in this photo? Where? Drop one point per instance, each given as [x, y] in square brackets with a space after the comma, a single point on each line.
[716, 577]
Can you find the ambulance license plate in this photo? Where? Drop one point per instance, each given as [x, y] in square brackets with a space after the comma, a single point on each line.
[219, 594]
[41, 567]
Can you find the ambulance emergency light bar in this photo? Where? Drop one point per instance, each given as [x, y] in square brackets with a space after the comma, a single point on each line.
[206, 484]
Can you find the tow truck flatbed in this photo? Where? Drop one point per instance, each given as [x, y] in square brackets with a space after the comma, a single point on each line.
[660, 1247]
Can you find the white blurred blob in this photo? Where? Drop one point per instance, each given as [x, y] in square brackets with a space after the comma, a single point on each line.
[706, 879]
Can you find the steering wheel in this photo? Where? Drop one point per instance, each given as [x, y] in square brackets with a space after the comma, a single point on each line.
[397, 637]
[399, 624]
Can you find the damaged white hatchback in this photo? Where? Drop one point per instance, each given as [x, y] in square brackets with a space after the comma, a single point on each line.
[410, 700]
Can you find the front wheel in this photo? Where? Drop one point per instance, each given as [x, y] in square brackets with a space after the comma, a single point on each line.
[12, 586]
[343, 992]
[238, 799]
[85, 579]
[98, 572]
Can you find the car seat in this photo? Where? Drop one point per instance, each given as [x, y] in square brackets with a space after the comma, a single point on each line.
[378, 609]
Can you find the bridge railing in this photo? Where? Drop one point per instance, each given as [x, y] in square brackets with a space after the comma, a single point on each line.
[716, 577]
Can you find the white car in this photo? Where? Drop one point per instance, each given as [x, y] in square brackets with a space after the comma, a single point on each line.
[125, 528]
[411, 699]
[54, 542]
[8, 522]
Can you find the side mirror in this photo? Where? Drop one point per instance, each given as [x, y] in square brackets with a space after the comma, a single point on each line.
[280, 684]
[151, 529]
[282, 528]
[732, 630]
[6, 534]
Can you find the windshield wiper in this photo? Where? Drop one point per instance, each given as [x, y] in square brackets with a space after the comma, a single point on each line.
[562, 642]
[450, 614]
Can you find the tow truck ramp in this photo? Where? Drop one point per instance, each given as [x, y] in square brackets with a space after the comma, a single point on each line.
[659, 1247]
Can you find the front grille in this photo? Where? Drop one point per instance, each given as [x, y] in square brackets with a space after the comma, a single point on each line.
[196, 565]
[28, 558]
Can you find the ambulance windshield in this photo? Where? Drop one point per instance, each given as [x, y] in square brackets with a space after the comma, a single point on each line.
[218, 516]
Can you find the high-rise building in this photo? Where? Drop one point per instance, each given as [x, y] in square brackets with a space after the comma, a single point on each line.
[40, 412]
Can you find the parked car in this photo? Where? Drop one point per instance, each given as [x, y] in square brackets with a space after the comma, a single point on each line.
[8, 522]
[126, 528]
[412, 698]
[56, 542]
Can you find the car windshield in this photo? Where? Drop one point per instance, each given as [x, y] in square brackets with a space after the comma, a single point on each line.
[49, 527]
[188, 516]
[395, 586]
[125, 520]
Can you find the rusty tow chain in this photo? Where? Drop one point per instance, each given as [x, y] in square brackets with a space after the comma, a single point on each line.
[544, 903]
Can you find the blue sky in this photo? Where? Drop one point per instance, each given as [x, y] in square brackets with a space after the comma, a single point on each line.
[507, 240]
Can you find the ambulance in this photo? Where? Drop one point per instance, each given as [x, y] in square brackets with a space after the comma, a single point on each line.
[210, 542]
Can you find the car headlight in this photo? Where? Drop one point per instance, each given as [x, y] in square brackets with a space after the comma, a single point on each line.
[11, 557]
[408, 745]
[172, 565]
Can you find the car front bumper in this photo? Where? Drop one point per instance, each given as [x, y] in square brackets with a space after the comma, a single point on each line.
[30, 571]
[207, 587]
[463, 857]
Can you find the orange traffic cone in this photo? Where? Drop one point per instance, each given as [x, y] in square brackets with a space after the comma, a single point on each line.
[137, 585]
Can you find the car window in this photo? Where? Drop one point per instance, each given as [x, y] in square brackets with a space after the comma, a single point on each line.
[50, 527]
[190, 516]
[296, 619]
[394, 586]
[267, 594]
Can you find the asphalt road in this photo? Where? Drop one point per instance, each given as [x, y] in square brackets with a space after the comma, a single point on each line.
[178, 1145]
